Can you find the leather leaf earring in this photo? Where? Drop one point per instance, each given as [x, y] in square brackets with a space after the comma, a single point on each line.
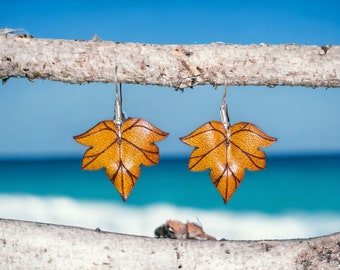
[227, 150]
[121, 146]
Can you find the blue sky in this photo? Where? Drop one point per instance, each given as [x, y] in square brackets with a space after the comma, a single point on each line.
[40, 119]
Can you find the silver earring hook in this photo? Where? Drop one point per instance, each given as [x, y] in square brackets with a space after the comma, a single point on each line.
[224, 108]
[119, 116]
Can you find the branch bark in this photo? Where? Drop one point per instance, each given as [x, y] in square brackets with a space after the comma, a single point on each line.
[29, 245]
[178, 66]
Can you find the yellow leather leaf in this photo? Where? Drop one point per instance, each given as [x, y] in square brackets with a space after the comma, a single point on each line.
[227, 153]
[121, 150]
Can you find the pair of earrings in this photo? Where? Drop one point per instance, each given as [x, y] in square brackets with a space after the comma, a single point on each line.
[122, 145]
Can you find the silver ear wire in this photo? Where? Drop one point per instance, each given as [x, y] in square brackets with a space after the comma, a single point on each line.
[224, 108]
[119, 116]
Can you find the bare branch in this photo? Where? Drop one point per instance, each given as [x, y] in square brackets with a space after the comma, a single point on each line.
[27, 245]
[178, 66]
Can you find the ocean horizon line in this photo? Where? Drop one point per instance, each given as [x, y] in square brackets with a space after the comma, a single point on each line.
[294, 182]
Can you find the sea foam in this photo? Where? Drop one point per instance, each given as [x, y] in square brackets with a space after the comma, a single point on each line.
[123, 218]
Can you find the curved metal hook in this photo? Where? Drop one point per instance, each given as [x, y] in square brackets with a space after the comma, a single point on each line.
[119, 116]
[224, 108]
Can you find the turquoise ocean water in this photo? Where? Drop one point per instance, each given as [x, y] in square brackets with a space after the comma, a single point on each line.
[292, 197]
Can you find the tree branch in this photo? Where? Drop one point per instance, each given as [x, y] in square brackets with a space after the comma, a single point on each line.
[177, 66]
[28, 245]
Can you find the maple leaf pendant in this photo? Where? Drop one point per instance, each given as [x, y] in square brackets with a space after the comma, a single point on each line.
[121, 146]
[227, 151]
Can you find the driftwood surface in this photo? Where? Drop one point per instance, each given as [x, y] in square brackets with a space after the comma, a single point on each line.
[30, 245]
[178, 66]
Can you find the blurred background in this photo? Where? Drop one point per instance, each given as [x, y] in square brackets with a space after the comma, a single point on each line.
[296, 196]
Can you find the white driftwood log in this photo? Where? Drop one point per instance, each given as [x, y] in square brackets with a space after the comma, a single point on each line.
[29, 245]
[178, 66]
